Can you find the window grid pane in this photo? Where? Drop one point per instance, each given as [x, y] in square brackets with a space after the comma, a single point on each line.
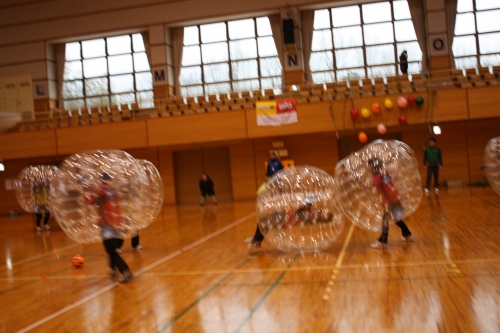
[105, 61]
[367, 41]
[477, 31]
[237, 55]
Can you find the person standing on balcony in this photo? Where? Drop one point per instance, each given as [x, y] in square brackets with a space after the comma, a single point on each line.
[403, 62]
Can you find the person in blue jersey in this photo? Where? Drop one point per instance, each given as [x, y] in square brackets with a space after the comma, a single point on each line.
[273, 166]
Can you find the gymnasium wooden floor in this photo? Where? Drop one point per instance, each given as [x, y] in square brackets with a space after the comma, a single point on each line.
[195, 275]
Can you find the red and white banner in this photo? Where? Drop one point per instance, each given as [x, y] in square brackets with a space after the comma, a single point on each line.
[276, 113]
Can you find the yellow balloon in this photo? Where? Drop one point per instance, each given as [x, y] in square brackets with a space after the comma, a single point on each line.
[388, 103]
[365, 112]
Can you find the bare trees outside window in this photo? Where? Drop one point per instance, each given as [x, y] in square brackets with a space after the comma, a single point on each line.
[113, 70]
[477, 34]
[229, 56]
[360, 41]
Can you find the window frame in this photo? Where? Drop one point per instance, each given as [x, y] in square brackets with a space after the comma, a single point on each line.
[232, 82]
[476, 35]
[109, 96]
[368, 74]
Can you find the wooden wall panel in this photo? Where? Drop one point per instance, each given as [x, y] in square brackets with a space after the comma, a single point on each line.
[243, 179]
[484, 102]
[318, 150]
[189, 165]
[167, 173]
[440, 62]
[188, 168]
[28, 144]
[478, 134]
[122, 135]
[451, 105]
[216, 163]
[453, 145]
[197, 129]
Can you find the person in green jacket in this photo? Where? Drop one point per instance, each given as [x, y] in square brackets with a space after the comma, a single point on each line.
[433, 161]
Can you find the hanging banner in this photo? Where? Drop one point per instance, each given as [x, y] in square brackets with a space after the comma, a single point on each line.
[276, 113]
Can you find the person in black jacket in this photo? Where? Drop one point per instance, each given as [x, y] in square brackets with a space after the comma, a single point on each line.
[403, 62]
[207, 188]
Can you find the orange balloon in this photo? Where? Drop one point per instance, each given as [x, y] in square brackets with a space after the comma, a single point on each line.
[376, 108]
[362, 137]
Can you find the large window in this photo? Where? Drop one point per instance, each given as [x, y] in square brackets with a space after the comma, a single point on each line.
[477, 34]
[229, 56]
[105, 71]
[361, 41]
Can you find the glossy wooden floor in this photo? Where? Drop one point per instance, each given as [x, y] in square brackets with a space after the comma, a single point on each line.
[195, 275]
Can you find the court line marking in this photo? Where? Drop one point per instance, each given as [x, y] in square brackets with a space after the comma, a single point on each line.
[38, 256]
[288, 268]
[259, 270]
[492, 204]
[205, 294]
[264, 297]
[344, 247]
[114, 284]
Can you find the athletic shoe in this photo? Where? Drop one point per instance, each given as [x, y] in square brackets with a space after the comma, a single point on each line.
[126, 277]
[379, 245]
[47, 227]
[113, 273]
[426, 191]
[38, 229]
[436, 190]
[138, 248]
[408, 239]
[118, 251]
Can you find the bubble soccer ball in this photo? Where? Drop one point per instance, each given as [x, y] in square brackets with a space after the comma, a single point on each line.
[381, 178]
[153, 195]
[298, 211]
[492, 163]
[33, 185]
[100, 194]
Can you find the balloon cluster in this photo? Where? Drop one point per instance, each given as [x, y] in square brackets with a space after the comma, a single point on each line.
[376, 108]
[492, 163]
[32, 187]
[298, 210]
[105, 190]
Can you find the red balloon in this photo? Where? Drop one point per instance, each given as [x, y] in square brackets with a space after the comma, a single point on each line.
[354, 113]
[411, 100]
[403, 120]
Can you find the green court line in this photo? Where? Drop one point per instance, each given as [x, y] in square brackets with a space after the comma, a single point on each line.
[205, 294]
[263, 298]
[485, 201]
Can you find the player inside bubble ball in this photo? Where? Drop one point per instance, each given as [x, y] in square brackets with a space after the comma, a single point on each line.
[302, 216]
[389, 197]
[111, 222]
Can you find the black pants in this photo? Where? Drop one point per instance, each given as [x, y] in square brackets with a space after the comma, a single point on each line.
[39, 218]
[115, 261]
[258, 235]
[385, 228]
[135, 242]
[404, 68]
[432, 170]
